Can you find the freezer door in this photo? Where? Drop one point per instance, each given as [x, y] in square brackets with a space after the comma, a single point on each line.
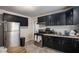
[13, 39]
[13, 26]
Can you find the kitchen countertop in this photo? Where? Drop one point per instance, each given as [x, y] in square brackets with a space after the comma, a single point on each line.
[61, 36]
[38, 33]
[74, 37]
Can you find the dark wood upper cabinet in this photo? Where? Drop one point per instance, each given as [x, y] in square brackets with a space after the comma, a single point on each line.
[57, 19]
[9, 18]
[69, 17]
[23, 21]
[42, 19]
[53, 19]
[13, 18]
[45, 19]
[48, 20]
[76, 15]
[60, 19]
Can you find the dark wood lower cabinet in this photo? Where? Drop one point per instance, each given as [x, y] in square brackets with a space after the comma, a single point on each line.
[76, 43]
[56, 43]
[47, 41]
[68, 45]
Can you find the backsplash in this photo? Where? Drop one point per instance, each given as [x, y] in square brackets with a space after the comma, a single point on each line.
[62, 28]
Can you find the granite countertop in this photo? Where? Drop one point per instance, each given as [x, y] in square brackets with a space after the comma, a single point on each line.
[61, 36]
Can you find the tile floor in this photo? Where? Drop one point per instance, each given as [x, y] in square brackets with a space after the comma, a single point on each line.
[31, 48]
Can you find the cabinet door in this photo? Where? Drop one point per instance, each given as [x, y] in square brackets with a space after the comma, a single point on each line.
[44, 41]
[59, 19]
[48, 20]
[23, 21]
[68, 45]
[76, 45]
[9, 18]
[56, 42]
[45, 19]
[52, 20]
[55, 19]
[61, 40]
[41, 19]
[76, 15]
[69, 17]
[49, 42]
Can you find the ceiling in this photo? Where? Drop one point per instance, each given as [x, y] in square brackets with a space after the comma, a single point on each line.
[32, 11]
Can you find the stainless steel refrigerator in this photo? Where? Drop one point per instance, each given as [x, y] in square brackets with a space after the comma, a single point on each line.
[12, 34]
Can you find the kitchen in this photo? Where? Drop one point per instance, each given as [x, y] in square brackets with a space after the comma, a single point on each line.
[54, 29]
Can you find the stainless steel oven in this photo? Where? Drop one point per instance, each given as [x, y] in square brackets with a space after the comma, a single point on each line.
[38, 40]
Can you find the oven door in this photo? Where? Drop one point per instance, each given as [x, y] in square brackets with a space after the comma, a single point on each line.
[38, 40]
